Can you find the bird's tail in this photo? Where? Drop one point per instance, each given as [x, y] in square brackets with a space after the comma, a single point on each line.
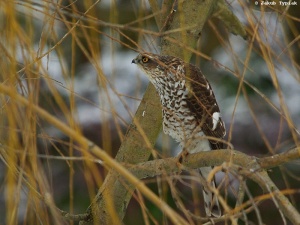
[211, 203]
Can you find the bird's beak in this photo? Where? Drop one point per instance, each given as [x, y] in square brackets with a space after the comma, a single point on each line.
[134, 61]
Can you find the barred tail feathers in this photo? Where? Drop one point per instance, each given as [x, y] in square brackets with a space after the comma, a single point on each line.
[211, 203]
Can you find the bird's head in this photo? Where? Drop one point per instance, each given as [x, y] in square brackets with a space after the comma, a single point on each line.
[158, 68]
[148, 62]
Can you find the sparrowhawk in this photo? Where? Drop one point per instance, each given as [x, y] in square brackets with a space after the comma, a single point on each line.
[191, 114]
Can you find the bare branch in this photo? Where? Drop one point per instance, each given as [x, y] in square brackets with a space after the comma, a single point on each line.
[213, 158]
[231, 22]
[247, 166]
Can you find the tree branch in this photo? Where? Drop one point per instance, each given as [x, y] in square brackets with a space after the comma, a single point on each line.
[231, 22]
[213, 158]
[247, 166]
[279, 159]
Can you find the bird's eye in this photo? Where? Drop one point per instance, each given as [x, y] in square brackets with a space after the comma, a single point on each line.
[145, 59]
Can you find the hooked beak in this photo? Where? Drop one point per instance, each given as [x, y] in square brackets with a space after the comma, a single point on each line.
[134, 61]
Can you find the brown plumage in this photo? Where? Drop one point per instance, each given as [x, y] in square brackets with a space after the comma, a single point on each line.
[190, 112]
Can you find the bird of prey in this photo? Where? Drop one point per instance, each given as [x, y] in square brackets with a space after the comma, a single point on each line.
[191, 114]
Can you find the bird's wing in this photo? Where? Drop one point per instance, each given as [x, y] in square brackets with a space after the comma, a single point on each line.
[202, 102]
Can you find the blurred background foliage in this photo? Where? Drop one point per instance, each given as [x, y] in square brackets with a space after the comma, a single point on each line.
[73, 58]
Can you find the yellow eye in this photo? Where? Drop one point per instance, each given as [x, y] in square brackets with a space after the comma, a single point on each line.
[145, 59]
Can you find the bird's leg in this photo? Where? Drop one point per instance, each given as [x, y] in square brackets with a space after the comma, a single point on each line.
[182, 155]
